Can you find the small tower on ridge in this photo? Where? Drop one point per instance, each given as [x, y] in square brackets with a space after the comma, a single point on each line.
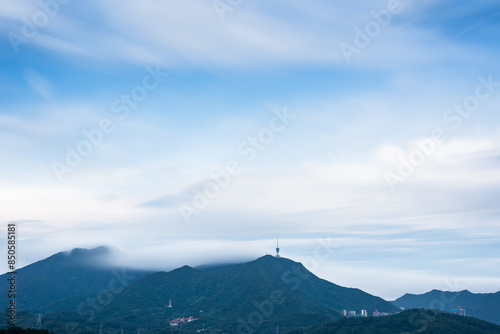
[277, 248]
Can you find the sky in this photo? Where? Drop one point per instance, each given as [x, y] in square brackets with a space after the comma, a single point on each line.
[366, 135]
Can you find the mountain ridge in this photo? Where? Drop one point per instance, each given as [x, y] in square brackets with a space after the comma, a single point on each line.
[480, 305]
[80, 286]
[407, 322]
[73, 274]
[273, 288]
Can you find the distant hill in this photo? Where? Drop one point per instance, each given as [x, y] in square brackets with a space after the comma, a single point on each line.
[484, 306]
[64, 279]
[257, 295]
[413, 321]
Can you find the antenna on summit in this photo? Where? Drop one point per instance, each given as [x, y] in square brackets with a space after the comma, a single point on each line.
[277, 247]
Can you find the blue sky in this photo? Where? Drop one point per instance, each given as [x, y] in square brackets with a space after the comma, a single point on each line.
[330, 175]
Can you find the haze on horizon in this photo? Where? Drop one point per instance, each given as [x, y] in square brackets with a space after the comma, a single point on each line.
[366, 135]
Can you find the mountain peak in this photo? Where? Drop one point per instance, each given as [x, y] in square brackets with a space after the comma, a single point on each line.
[184, 269]
[268, 257]
[98, 251]
[278, 262]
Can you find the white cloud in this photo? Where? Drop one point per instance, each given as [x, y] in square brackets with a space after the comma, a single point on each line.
[189, 32]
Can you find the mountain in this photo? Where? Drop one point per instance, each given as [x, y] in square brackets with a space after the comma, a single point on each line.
[485, 306]
[253, 297]
[412, 321]
[64, 279]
